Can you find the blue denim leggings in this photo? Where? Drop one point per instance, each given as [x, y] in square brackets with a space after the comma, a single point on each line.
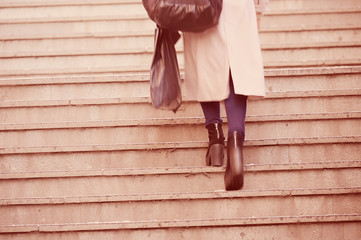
[236, 106]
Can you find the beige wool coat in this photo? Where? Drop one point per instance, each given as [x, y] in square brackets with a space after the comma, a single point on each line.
[233, 45]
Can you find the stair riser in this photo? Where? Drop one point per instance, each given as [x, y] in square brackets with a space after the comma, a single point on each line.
[304, 105]
[148, 184]
[309, 38]
[305, 21]
[77, 27]
[312, 57]
[141, 62]
[274, 5]
[142, 88]
[281, 154]
[175, 133]
[65, 12]
[126, 9]
[77, 64]
[268, 22]
[71, 45]
[350, 230]
[313, 5]
[94, 112]
[75, 91]
[181, 209]
[107, 112]
[313, 83]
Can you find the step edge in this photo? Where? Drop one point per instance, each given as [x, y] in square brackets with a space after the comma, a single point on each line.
[59, 36]
[144, 16]
[179, 196]
[270, 65]
[144, 77]
[144, 33]
[308, 28]
[74, 19]
[176, 145]
[26, 4]
[272, 12]
[71, 227]
[189, 171]
[175, 120]
[145, 100]
[149, 50]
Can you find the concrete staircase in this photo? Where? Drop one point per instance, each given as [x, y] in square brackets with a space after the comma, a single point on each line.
[84, 155]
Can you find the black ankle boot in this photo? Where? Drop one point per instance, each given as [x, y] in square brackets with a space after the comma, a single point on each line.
[233, 176]
[215, 153]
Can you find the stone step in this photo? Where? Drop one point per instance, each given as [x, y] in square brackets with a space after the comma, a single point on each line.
[127, 151]
[103, 24]
[124, 61]
[273, 76]
[281, 5]
[66, 11]
[143, 181]
[328, 51]
[76, 27]
[174, 130]
[126, 86]
[183, 207]
[275, 151]
[96, 43]
[40, 3]
[315, 21]
[302, 51]
[175, 121]
[57, 111]
[282, 228]
[74, 45]
[310, 38]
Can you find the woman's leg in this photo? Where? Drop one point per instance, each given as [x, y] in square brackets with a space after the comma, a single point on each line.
[236, 114]
[213, 122]
[236, 106]
[212, 112]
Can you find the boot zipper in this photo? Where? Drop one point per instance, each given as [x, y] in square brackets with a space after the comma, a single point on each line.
[217, 130]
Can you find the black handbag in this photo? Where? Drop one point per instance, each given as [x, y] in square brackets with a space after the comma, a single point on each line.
[165, 81]
[184, 15]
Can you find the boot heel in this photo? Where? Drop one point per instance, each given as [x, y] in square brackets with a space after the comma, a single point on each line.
[215, 152]
[215, 155]
[234, 176]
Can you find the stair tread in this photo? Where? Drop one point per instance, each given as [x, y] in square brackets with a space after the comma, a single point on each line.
[219, 194]
[174, 120]
[176, 145]
[143, 16]
[144, 77]
[140, 33]
[149, 50]
[39, 3]
[178, 170]
[100, 101]
[156, 224]
[79, 65]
